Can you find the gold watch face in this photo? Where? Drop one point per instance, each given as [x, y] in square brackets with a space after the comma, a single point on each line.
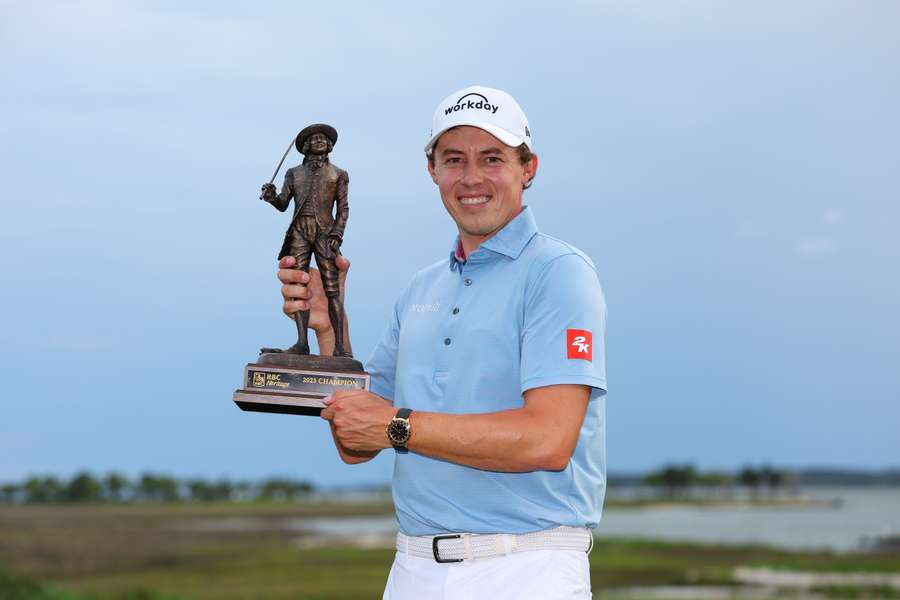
[398, 431]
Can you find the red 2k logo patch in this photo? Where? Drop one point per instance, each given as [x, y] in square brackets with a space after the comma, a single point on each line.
[579, 342]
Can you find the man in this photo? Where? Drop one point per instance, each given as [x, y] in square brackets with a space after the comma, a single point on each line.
[489, 382]
[316, 187]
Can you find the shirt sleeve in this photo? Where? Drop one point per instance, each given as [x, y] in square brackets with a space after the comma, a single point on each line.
[382, 364]
[564, 327]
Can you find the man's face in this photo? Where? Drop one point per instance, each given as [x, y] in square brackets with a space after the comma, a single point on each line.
[317, 144]
[481, 182]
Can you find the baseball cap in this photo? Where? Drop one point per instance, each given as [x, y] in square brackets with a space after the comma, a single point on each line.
[489, 109]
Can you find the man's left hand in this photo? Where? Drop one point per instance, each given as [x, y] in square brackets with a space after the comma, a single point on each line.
[360, 419]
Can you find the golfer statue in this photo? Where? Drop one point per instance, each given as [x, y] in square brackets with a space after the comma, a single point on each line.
[319, 190]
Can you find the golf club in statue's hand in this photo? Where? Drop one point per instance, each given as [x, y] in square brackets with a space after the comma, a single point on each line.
[268, 189]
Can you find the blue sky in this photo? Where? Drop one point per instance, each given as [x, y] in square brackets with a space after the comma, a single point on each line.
[731, 168]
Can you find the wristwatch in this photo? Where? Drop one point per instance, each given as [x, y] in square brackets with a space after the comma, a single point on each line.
[399, 430]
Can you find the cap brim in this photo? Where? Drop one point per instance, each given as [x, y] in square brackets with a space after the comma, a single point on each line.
[501, 134]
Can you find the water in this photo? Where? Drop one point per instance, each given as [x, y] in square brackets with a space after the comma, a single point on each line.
[860, 513]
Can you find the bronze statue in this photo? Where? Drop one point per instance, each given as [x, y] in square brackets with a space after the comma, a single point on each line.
[293, 381]
[319, 190]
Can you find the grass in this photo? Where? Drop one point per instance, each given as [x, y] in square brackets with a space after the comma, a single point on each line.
[640, 562]
[723, 502]
[137, 553]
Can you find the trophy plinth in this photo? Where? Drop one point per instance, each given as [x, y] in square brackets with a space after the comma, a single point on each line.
[296, 384]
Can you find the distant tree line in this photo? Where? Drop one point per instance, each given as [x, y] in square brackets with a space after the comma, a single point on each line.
[681, 480]
[810, 476]
[833, 477]
[84, 487]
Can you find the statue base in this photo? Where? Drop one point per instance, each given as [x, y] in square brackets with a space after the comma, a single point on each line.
[296, 384]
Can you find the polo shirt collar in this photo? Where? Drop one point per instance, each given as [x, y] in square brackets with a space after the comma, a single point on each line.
[512, 239]
[509, 241]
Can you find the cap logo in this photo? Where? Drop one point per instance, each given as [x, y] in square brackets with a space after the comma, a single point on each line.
[472, 103]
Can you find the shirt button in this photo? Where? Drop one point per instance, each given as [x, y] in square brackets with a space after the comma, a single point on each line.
[446, 341]
[456, 311]
[468, 281]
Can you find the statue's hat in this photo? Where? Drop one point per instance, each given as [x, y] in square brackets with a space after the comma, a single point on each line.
[327, 130]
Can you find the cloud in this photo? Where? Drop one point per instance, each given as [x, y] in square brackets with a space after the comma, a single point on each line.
[816, 247]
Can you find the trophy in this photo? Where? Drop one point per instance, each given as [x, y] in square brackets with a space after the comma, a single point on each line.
[294, 381]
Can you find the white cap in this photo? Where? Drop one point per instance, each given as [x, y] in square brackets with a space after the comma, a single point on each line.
[492, 110]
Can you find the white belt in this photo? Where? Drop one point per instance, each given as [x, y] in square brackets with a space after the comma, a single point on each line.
[457, 547]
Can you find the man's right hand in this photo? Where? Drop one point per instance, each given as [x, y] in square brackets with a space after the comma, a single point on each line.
[304, 291]
[269, 191]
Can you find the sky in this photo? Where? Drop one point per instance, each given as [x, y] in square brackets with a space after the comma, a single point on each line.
[731, 168]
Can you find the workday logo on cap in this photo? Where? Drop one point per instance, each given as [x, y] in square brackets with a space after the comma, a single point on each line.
[489, 109]
[475, 101]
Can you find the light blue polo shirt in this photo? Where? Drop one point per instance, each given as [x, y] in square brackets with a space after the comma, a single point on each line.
[524, 310]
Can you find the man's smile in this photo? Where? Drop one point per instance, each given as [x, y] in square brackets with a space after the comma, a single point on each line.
[473, 200]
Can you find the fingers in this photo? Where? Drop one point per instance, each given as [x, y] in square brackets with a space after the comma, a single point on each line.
[295, 289]
[330, 408]
[300, 289]
[292, 305]
[343, 265]
[298, 284]
[332, 400]
[338, 395]
[296, 292]
[296, 296]
[290, 276]
[357, 419]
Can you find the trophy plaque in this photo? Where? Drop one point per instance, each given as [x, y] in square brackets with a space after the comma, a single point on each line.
[289, 383]
[293, 381]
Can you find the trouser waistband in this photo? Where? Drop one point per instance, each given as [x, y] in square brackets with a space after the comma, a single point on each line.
[457, 547]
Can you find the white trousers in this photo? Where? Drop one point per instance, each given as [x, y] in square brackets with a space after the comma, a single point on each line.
[539, 574]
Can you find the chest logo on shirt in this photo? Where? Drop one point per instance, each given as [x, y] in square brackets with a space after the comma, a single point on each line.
[426, 308]
[579, 342]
